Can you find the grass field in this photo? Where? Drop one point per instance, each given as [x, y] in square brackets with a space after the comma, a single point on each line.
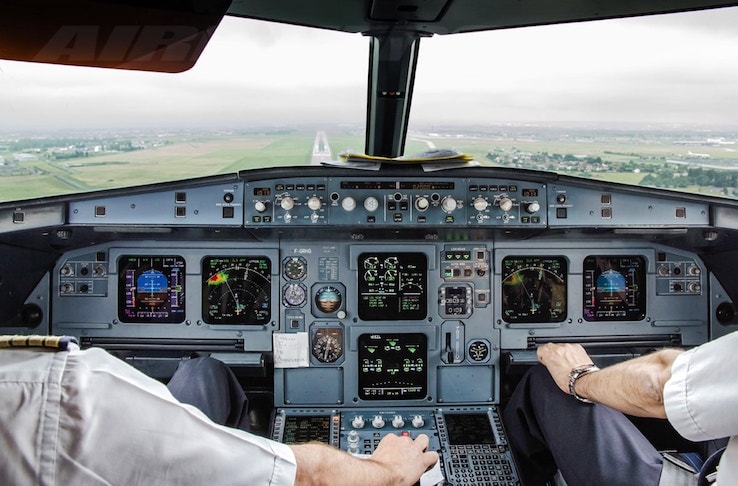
[178, 158]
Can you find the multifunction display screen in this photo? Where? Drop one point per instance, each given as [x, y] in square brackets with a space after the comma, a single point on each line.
[534, 289]
[469, 428]
[151, 288]
[301, 429]
[236, 290]
[392, 286]
[614, 288]
[393, 366]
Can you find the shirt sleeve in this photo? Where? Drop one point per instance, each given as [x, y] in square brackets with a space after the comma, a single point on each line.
[701, 397]
[118, 426]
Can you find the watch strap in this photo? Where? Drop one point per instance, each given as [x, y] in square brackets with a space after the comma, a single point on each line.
[576, 373]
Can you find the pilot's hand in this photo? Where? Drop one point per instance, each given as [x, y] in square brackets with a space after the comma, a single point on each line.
[406, 459]
[560, 359]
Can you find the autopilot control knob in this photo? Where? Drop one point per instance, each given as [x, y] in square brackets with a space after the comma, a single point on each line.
[449, 204]
[371, 204]
[422, 203]
[348, 203]
[260, 206]
[506, 204]
[314, 203]
[377, 422]
[418, 421]
[398, 422]
[533, 207]
[287, 203]
[358, 422]
[480, 203]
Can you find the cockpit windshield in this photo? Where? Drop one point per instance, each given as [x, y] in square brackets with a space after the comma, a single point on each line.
[642, 101]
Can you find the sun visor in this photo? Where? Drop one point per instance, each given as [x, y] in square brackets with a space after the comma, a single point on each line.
[145, 35]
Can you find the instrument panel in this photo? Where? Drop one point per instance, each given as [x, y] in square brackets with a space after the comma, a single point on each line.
[390, 323]
[376, 304]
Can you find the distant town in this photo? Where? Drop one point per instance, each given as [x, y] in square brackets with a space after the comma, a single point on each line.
[705, 163]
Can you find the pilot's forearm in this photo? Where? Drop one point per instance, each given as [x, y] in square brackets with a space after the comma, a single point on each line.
[634, 387]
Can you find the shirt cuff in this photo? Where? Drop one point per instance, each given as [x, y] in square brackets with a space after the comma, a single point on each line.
[676, 399]
[285, 465]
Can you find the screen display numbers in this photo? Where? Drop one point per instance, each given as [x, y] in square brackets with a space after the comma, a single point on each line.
[614, 288]
[392, 286]
[393, 366]
[151, 288]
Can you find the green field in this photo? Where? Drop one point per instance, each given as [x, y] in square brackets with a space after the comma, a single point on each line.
[176, 157]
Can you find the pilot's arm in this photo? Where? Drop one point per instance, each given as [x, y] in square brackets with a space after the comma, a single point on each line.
[85, 417]
[634, 387]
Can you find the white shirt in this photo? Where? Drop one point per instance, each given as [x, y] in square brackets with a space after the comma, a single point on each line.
[701, 398]
[87, 418]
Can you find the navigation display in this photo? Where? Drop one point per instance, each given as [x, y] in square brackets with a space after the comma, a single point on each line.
[534, 289]
[392, 286]
[151, 288]
[393, 366]
[614, 288]
[236, 290]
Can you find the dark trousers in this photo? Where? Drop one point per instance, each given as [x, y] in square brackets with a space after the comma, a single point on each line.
[589, 444]
[211, 386]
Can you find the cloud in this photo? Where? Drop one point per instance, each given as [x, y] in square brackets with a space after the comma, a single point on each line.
[673, 68]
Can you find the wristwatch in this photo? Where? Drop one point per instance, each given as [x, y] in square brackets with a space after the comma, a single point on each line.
[576, 373]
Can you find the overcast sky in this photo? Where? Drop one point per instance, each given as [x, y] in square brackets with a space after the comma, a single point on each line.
[668, 69]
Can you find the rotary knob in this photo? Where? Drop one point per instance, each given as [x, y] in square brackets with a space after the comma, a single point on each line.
[480, 203]
[418, 421]
[422, 203]
[287, 203]
[506, 204]
[260, 206]
[377, 422]
[352, 438]
[533, 207]
[449, 204]
[398, 422]
[358, 422]
[314, 203]
[371, 204]
[348, 203]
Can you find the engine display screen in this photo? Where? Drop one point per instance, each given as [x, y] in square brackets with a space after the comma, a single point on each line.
[392, 286]
[614, 288]
[534, 289]
[236, 290]
[393, 366]
[151, 288]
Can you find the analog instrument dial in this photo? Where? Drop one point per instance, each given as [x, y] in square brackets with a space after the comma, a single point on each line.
[478, 351]
[295, 268]
[294, 295]
[327, 345]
